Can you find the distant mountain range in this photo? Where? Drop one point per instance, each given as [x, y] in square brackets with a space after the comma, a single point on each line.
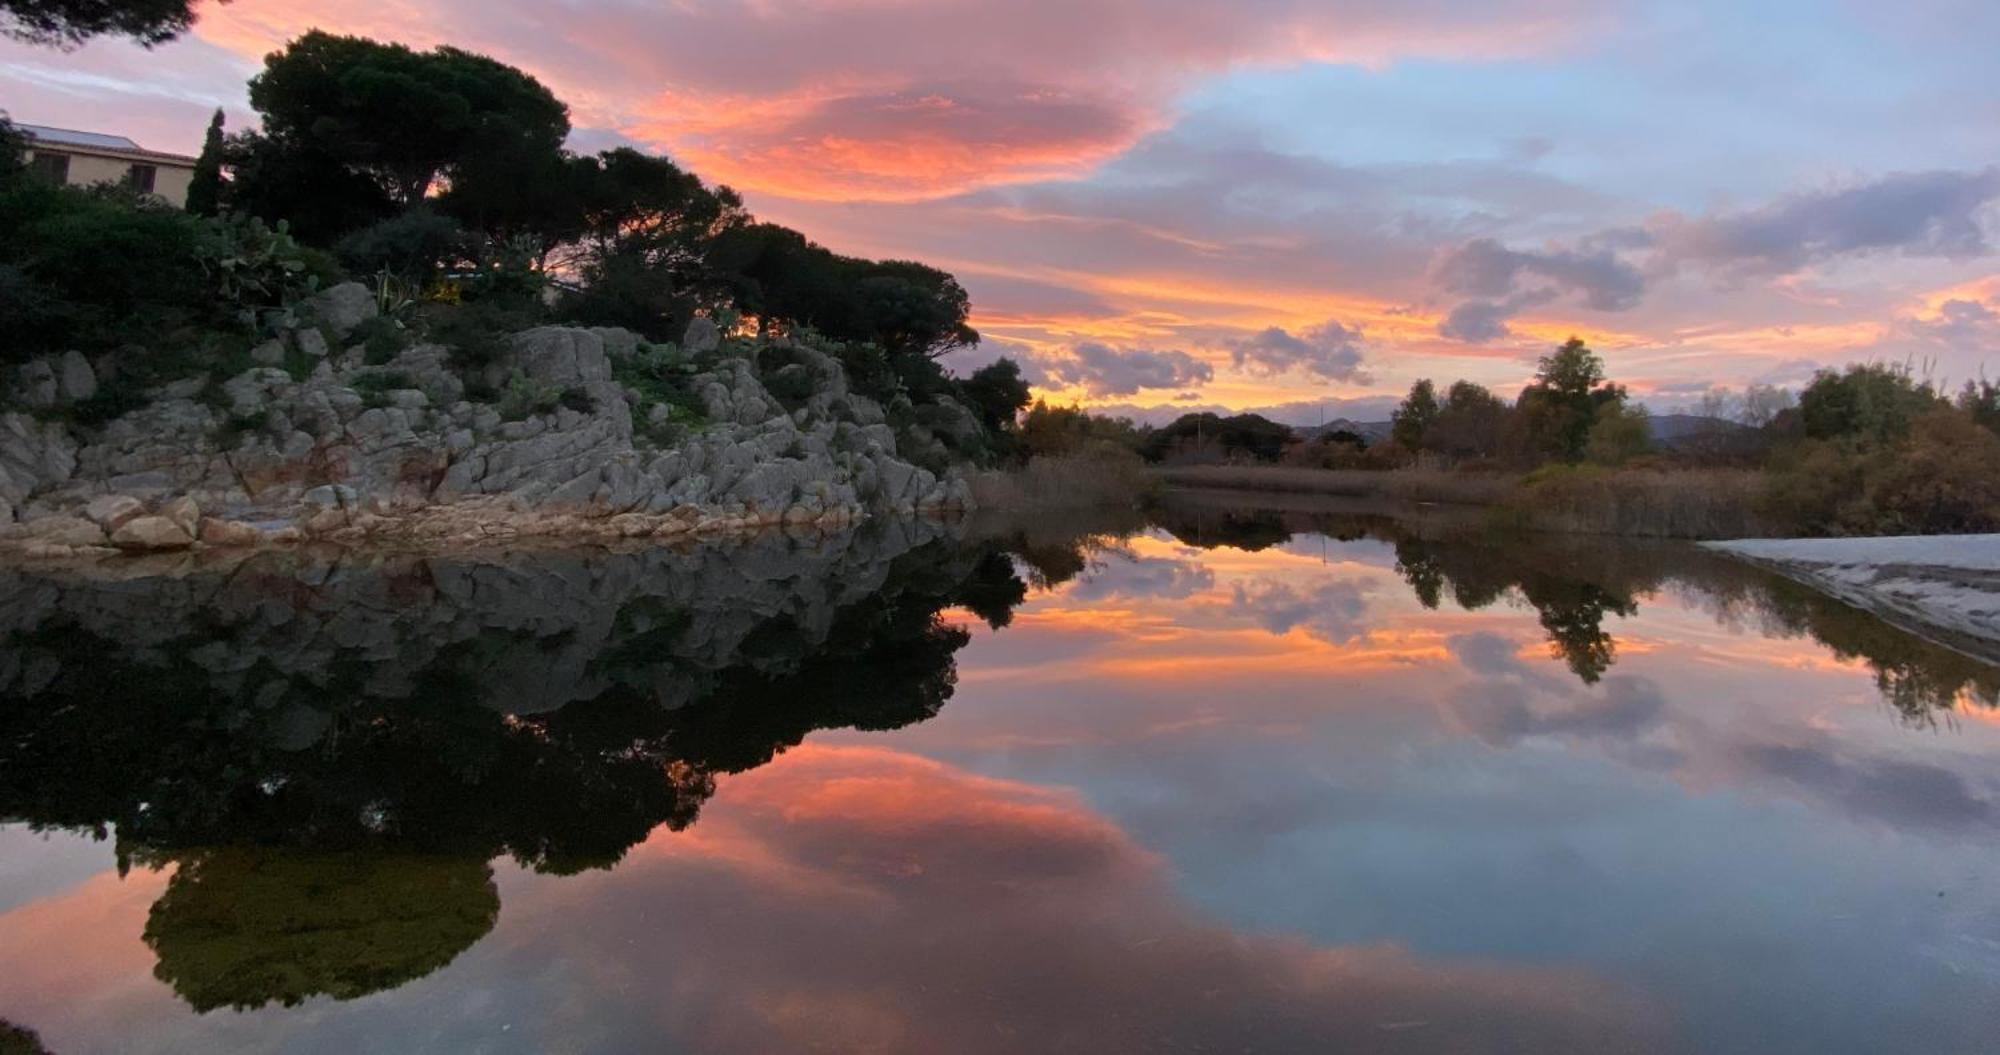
[1671, 430]
[1300, 414]
[1372, 431]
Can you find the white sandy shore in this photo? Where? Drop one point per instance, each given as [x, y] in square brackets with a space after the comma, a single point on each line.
[1946, 587]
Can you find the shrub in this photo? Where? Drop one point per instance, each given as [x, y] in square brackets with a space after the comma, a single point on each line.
[1620, 434]
[526, 397]
[1868, 405]
[792, 385]
[96, 268]
[1943, 477]
[381, 338]
[413, 246]
[477, 333]
[1705, 503]
[1947, 479]
[257, 269]
[374, 386]
[661, 374]
[1817, 487]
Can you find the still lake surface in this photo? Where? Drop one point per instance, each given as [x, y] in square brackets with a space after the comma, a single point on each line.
[1216, 779]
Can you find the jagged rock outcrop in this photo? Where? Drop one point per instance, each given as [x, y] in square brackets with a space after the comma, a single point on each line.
[565, 447]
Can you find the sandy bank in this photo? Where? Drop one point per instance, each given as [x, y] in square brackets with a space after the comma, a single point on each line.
[1944, 587]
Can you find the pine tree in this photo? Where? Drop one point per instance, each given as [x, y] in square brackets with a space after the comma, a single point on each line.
[205, 192]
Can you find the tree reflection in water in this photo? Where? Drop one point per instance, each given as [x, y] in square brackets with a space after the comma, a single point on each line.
[330, 771]
[1575, 582]
[244, 926]
[330, 753]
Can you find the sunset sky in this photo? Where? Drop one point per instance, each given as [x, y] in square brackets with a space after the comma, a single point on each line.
[1274, 202]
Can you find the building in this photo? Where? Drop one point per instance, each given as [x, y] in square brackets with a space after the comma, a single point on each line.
[68, 156]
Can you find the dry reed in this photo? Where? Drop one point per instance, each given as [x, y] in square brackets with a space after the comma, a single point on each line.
[1654, 503]
[1067, 481]
[1409, 485]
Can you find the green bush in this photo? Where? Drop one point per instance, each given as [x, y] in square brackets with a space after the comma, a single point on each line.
[256, 269]
[96, 268]
[1943, 477]
[1868, 405]
[381, 338]
[414, 246]
[526, 397]
[661, 374]
[1946, 479]
[100, 268]
[1620, 434]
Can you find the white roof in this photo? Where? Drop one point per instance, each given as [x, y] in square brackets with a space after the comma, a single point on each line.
[78, 139]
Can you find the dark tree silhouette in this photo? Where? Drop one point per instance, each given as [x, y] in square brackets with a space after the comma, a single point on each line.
[1559, 407]
[998, 394]
[68, 23]
[1414, 416]
[204, 196]
[404, 118]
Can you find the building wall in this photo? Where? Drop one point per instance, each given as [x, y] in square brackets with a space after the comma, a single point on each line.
[172, 184]
[169, 181]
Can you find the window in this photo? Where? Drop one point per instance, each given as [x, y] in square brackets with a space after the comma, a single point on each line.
[53, 167]
[141, 178]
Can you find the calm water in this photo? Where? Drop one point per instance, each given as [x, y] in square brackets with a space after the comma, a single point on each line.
[1225, 780]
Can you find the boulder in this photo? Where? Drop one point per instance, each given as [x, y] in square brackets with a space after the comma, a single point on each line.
[112, 512]
[185, 514]
[768, 486]
[344, 307]
[562, 355]
[251, 390]
[151, 533]
[953, 419]
[34, 456]
[66, 531]
[332, 496]
[701, 337]
[35, 383]
[312, 342]
[218, 532]
[617, 342]
[899, 481]
[76, 381]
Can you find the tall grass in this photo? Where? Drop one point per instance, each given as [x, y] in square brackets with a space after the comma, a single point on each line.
[1065, 481]
[1653, 503]
[1409, 485]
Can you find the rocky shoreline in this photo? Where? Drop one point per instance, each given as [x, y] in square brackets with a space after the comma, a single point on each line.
[577, 438]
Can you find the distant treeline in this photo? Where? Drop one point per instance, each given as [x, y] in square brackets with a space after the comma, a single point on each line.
[1873, 448]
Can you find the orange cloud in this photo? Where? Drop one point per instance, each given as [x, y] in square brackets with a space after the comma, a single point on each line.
[895, 100]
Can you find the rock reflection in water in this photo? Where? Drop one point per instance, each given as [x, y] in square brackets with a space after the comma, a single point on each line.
[325, 754]
[329, 754]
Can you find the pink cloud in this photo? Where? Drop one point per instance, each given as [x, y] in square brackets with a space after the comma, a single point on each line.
[968, 912]
[897, 99]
